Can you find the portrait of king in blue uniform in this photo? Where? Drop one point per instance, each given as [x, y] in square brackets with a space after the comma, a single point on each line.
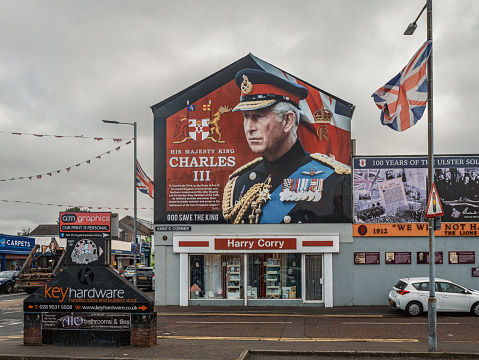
[285, 184]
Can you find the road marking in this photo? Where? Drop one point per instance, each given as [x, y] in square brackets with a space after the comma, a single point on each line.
[229, 338]
[11, 322]
[234, 322]
[392, 323]
[275, 315]
[10, 337]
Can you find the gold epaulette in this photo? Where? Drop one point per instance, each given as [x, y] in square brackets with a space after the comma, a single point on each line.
[244, 167]
[338, 167]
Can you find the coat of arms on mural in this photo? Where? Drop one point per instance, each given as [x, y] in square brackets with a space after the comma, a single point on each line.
[199, 129]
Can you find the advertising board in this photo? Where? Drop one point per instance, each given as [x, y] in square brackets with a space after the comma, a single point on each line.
[16, 244]
[394, 189]
[203, 145]
[85, 225]
[85, 289]
[87, 252]
[85, 321]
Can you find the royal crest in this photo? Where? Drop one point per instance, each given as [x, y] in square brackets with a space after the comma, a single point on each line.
[200, 129]
[323, 116]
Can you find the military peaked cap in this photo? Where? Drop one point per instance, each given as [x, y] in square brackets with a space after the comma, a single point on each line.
[260, 89]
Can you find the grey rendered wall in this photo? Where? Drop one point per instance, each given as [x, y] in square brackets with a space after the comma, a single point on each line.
[352, 284]
[167, 275]
[167, 263]
[370, 284]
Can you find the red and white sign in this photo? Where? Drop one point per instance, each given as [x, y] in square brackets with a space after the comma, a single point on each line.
[85, 222]
[221, 244]
[255, 244]
[434, 207]
[198, 129]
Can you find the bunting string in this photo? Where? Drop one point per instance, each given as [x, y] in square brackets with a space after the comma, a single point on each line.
[72, 206]
[117, 140]
[68, 168]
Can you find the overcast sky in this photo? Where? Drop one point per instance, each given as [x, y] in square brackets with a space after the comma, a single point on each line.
[66, 65]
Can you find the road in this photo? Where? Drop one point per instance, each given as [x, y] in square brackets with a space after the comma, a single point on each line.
[11, 314]
[388, 324]
[195, 332]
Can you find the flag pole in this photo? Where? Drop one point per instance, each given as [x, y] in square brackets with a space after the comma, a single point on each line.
[432, 311]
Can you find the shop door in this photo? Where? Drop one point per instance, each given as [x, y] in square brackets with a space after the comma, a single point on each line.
[314, 277]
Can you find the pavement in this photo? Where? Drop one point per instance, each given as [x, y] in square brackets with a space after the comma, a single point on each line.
[203, 345]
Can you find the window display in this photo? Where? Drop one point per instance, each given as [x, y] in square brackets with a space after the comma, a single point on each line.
[270, 276]
[216, 276]
[233, 279]
[274, 276]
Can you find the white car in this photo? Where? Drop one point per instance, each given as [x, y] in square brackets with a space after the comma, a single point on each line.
[411, 295]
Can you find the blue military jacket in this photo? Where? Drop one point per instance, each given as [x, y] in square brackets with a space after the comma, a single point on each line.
[297, 188]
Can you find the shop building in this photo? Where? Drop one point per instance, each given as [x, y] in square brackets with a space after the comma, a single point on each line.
[275, 252]
[14, 250]
[291, 269]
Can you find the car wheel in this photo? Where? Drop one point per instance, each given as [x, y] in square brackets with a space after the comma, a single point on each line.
[475, 309]
[9, 288]
[414, 308]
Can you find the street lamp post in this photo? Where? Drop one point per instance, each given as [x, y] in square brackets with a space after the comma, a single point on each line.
[135, 240]
[432, 335]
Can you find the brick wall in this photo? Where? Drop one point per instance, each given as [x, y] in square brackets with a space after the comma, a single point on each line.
[144, 330]
[32, 329]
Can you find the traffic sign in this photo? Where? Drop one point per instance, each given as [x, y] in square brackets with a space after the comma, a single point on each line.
[434, 207]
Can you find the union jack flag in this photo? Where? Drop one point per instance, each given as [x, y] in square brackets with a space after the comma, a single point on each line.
[403, 99]
[364, 179]
[143, 182]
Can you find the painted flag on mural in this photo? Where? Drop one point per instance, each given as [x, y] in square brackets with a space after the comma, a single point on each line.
[403, 99]
[326, 126]
[143, 182]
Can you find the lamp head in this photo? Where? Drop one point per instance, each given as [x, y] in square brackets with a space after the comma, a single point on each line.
[410, 29]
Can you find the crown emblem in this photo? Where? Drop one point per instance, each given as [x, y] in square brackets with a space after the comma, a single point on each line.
[323, 116]
[246, 85]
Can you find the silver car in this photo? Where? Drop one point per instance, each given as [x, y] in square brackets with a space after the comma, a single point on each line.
[411, 295]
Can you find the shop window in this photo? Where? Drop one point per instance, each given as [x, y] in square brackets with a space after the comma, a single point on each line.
[274, 276]
[216, 276]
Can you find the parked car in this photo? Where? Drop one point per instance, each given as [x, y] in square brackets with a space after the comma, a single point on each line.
[129, 271]
[145, 277]
[7, 280]
[411, 295]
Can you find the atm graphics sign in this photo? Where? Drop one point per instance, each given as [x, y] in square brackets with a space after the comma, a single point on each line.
[85, 224]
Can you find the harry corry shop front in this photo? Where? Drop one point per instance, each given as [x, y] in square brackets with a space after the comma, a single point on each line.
[249, 270]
